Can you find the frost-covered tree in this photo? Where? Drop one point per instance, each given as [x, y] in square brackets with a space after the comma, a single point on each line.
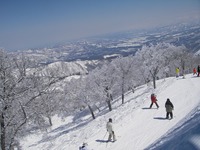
[14, 85]
[20, 89]
[195, 61]
[155, 58]
[79, 94]
[105, 82]
[71, 97]
[87, 94]
[123, 67]
[179, 57]
[137, 77]
[184, 60]
[45, 107]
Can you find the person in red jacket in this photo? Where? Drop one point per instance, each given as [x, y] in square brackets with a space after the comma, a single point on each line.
[194, 71]
[153, 100]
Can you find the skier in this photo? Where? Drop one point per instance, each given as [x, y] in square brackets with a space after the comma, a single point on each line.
[84, 147]
[177, 72]
[153, 100]
[169, 108]
[198, 70]
[110, 130]
[194, 71]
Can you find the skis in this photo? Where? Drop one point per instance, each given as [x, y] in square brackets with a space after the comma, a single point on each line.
[110, 142]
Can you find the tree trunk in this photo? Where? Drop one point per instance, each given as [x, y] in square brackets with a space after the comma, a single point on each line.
[123, 90]
[91, 111]
[154, 74]
[122, 98]
[109, 104]
[50, 121]
[154, 82]
[133, 89]
[3, 133]
[109, 99]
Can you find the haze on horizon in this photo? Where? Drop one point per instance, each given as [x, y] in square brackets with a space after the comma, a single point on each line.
[28, 24]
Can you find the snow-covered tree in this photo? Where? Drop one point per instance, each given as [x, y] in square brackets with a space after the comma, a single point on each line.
[79, 94]
[184, 61]
[105, 82]
[123, 67]
[20, 89]
[155, 58]
[14, 85]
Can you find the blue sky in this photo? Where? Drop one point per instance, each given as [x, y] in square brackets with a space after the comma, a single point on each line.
[38, 23]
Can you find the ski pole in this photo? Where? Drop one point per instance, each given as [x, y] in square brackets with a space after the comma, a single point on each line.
[105, 135]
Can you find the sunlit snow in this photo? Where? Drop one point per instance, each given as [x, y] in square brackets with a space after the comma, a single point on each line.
[136, 126]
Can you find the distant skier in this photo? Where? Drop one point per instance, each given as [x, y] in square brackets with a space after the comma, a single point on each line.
[169, 108]
[84, 147]
[198, 70]
[177, 72]
[153, 100]
[110, 130]
[194, 71]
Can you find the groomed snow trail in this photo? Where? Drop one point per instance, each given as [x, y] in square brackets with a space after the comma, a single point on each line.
[135, 125]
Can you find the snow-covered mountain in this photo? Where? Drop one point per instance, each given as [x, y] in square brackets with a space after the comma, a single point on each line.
[67, 68]
[136, 126]
[116, 44]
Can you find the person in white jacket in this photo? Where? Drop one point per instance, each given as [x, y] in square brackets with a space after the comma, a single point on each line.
[110, 130]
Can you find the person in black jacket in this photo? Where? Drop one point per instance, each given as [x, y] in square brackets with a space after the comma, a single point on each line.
[198, 70]
[169, 108]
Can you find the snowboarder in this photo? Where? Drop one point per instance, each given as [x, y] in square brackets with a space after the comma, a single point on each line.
[177, 72]
[169, 108]
[84, 147]
[153, 100]
[198, 70]
[194, 71]
[110, 130]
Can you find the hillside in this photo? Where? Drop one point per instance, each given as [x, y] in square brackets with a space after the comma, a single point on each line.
[136, 126]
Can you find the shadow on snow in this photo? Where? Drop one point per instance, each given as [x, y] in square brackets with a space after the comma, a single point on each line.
[102, 141]
[160, 118]
[146, 108]
[184, 136]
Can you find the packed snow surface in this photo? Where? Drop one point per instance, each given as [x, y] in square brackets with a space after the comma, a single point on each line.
[136, 126]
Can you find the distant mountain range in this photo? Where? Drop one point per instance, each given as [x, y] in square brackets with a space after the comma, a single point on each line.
[118, 44]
